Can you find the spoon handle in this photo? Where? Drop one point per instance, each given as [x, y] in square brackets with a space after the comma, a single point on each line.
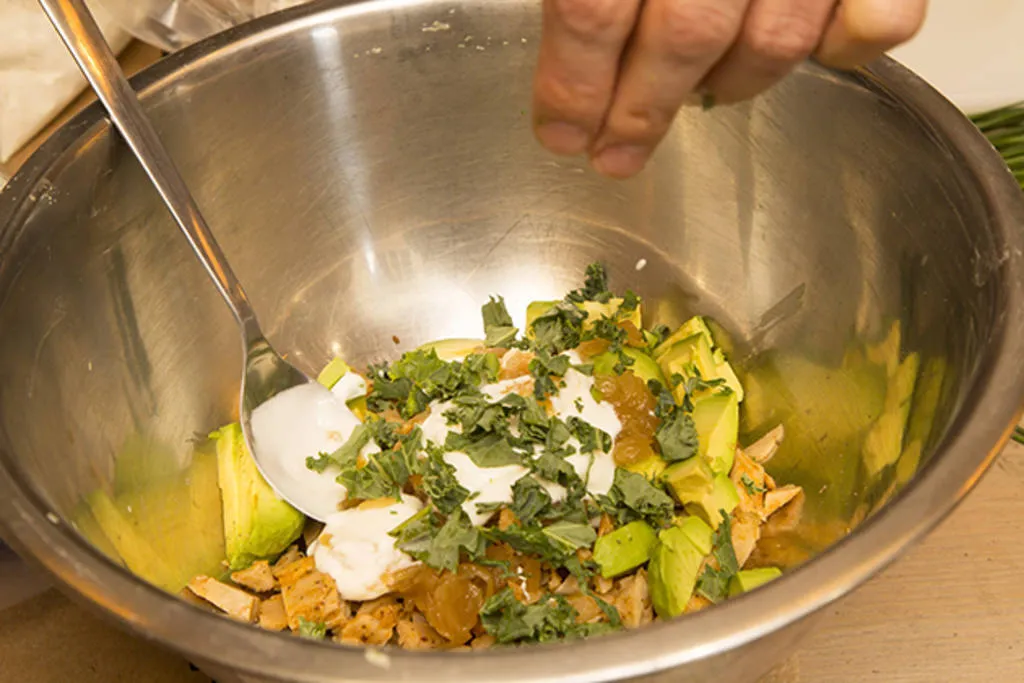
[85, 42]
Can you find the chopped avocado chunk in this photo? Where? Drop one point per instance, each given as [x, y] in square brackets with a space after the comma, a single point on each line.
[453, 349]
[334, 371]
[624, 549]
[688, 358]
[257, 524]
[722, 497]
[717, 419]
[694, 326]
[690, 480]
[697, 530]
[593, 309]
[749, 579]
[643, 365]
[672, 573]
[652, 467]
[724, 371]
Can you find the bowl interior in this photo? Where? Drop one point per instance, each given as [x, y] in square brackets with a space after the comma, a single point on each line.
[372, 177]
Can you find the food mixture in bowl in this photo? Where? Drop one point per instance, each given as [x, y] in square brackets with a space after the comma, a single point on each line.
[577, 478]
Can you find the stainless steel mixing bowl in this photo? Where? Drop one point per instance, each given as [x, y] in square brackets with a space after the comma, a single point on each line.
[370, 171]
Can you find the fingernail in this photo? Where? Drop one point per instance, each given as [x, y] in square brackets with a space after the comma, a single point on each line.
[563, 138]
[621, 161]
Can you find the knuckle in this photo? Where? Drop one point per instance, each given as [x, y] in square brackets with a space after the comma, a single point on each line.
[572, 100]
[692, 29]
[785, 40]
[594, 19]
[638, 125]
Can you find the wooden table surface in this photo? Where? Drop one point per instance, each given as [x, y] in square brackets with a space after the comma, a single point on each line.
[951, 610]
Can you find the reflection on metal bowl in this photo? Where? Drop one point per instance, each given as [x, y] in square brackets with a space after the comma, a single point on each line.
[852, 233]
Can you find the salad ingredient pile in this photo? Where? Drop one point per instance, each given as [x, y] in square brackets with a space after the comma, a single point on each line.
[577, 478]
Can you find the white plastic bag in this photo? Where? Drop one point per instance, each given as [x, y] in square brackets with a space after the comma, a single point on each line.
[172, 24]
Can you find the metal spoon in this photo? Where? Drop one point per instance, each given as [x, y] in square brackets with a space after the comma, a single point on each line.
[266, 372]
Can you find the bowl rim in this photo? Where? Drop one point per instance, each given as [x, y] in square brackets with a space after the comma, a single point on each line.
[934, 492]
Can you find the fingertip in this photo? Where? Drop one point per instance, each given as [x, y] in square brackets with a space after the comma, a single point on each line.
[562, 138]
[621, 161]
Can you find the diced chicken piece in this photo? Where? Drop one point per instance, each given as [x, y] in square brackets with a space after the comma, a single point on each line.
[749, 478]
[762, 450]
[483, 642]
[588, 611]
[374, 623]
[632, 599]
[272, 614]
[258, 577]
[193, 599]
[570, 586]
[290, 556]
[775, 500]
[234, 602]
[416, 634]
[697, 603]
[606, 525]
[603, 585]
[311, 595]
[293, 571]
[746, 532]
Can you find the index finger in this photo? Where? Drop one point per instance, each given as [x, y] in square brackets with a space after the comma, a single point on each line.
[577, 69]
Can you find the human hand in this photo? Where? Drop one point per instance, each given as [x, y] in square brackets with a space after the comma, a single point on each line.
[613, 73]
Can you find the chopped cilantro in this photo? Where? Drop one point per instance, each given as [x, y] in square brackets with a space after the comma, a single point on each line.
[439, 545]
[590, 437]
[660, 334]
[677, 436]
[550, 618]
[440, 484]
[553, 467]
[633, 497]
[713, 583]
[543, 367]
[751, 486]
[630, 301]
[312, 629]
[498, 326]
[345, 456]
[595, 286]
[666, 404]
[529, 499]
[579, 404]
[490, 450]
[559, 328]
[555, 544]
[419, 377]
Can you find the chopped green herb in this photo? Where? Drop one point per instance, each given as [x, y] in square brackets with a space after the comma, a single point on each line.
[595, 286]
[529, 499]
[543, 367]
[633, 497]
[677, 437]
[590, 437]
[559, 328]
[419, 377]
[498, 326]
[579, 404]
[440, 484]
[439, 546]
[713, 583]
[346, 455]
[666, 403]
[490, 450]
[751, 486]
[550, 618]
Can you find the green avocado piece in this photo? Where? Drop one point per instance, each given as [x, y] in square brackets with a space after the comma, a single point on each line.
[624, 549]
[717, 419]
[449, 350]
[688, 358]
[697, 530]
[672, 572]
[722, 497]
[593, 309]
[652, 467]
[332, 372]
[643, 365]
[724, 370]
[749, 579]
[694, 326]
[690, 480]
[257, 524]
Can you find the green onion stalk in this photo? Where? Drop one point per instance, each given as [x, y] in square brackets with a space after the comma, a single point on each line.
[1004, 128]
